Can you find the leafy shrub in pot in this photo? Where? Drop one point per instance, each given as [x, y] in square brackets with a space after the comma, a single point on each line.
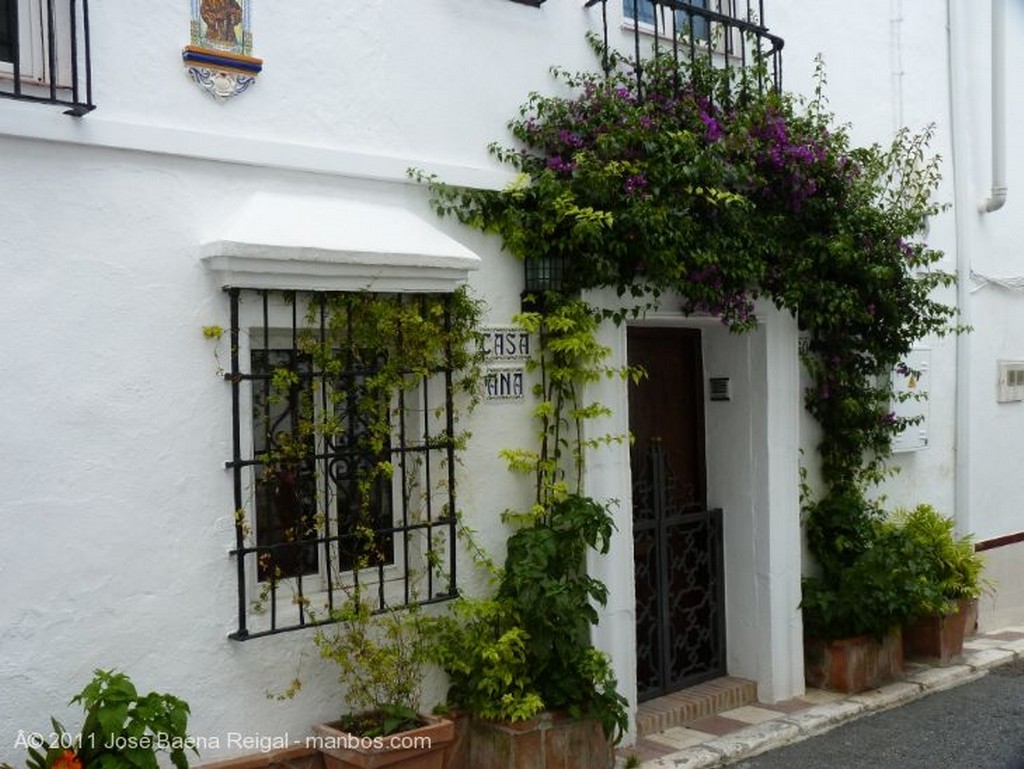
[122, 730]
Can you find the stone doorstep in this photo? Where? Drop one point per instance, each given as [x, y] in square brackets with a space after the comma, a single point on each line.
[692, 704]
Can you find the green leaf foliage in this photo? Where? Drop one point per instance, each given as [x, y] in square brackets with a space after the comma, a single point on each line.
[699, 182]
[379, 658]
[121, 730]
[955, 567]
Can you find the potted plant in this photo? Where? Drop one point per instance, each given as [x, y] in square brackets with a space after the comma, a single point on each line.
[122, 730]
[873, 578]
[380, 657]
[521, 663]
[938, 628]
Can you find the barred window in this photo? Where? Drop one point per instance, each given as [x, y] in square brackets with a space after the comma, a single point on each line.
[700, 21]
[343, 454]
[44, 53]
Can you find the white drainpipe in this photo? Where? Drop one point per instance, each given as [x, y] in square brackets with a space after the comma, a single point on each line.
[998, 194]
[961, 464]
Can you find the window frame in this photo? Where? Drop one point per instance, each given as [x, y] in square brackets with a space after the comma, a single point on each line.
[314, 582]
[725, 44]
[54, 59]
[32, 38]
[272, 606]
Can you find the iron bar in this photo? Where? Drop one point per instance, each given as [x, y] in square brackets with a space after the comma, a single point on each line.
[236, 441]
[15, 33]
[327, 443]
[74, 52]
[286, 560]
[64, 37]
[428, 484]
[51, 50]
[740, 35]
[449, 395]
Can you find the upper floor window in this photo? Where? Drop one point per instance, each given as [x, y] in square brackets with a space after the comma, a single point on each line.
[686, 21]
[7, 39]
[44, 52]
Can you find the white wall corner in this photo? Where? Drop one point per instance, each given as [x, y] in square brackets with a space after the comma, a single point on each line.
[778, 537]
[607, 477]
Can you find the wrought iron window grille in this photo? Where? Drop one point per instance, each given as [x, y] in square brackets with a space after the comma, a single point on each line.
[728, 34]
[314, 523]
[45, 56]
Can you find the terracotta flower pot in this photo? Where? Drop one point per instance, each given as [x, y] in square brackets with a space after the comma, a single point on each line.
[549, 740]
[853, 664]
[420, 748]
[940, 636]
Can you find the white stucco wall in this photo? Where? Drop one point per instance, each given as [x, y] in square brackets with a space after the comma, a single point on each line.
[115, 432]
[115, 426]
[915, 62]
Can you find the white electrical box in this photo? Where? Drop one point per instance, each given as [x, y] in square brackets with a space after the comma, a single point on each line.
[1011, 381]
[911, 383]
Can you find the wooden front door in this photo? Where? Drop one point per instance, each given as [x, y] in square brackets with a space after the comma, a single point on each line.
[678, 559]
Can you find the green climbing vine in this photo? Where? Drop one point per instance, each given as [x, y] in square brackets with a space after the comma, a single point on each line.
[695, 181]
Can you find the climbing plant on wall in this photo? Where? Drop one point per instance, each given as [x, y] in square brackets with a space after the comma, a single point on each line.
[694, 180]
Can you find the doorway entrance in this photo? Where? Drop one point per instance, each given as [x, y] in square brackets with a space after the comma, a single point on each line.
[677, 541]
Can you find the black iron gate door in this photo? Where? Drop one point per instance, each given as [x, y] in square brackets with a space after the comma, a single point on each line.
[678, 558]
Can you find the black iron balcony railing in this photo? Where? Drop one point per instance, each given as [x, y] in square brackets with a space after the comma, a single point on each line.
[44, 53]
[728, 34]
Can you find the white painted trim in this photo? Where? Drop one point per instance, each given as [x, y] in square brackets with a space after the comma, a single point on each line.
[28, 121]
[317, 243]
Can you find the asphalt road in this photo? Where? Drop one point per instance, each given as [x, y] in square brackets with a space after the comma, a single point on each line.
[979, 725]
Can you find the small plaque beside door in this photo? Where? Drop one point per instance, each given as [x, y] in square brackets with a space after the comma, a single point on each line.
[719, 388]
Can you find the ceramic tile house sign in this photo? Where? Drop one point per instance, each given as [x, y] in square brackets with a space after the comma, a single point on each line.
[219, 58]
[506, 349]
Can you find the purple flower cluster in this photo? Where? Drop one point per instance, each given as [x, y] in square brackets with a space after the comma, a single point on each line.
[569, 138]
[712, 129]
[624, 93]
[790, 159]
[637, 183]
[709, 275]
[734, 307]
[561, 166]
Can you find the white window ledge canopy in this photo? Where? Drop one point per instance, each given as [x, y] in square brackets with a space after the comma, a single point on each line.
[317, 243]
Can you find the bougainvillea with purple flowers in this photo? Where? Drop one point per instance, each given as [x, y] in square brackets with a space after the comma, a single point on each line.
[696, 181]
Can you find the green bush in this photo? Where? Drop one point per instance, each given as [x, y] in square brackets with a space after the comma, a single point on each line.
[122, 730]
[954, 566]
[877, 574]
[380, 660]
[886, 583]
[528, 648]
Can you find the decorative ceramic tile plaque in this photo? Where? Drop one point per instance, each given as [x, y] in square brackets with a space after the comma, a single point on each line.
[219, 58]
[506, 349]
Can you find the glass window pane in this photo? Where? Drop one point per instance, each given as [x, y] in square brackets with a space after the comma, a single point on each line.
[285, 491]
[6, 30]
[698, 25]
[645, 12]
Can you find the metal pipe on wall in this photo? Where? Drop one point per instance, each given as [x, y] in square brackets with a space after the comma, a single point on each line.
[997, 197]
